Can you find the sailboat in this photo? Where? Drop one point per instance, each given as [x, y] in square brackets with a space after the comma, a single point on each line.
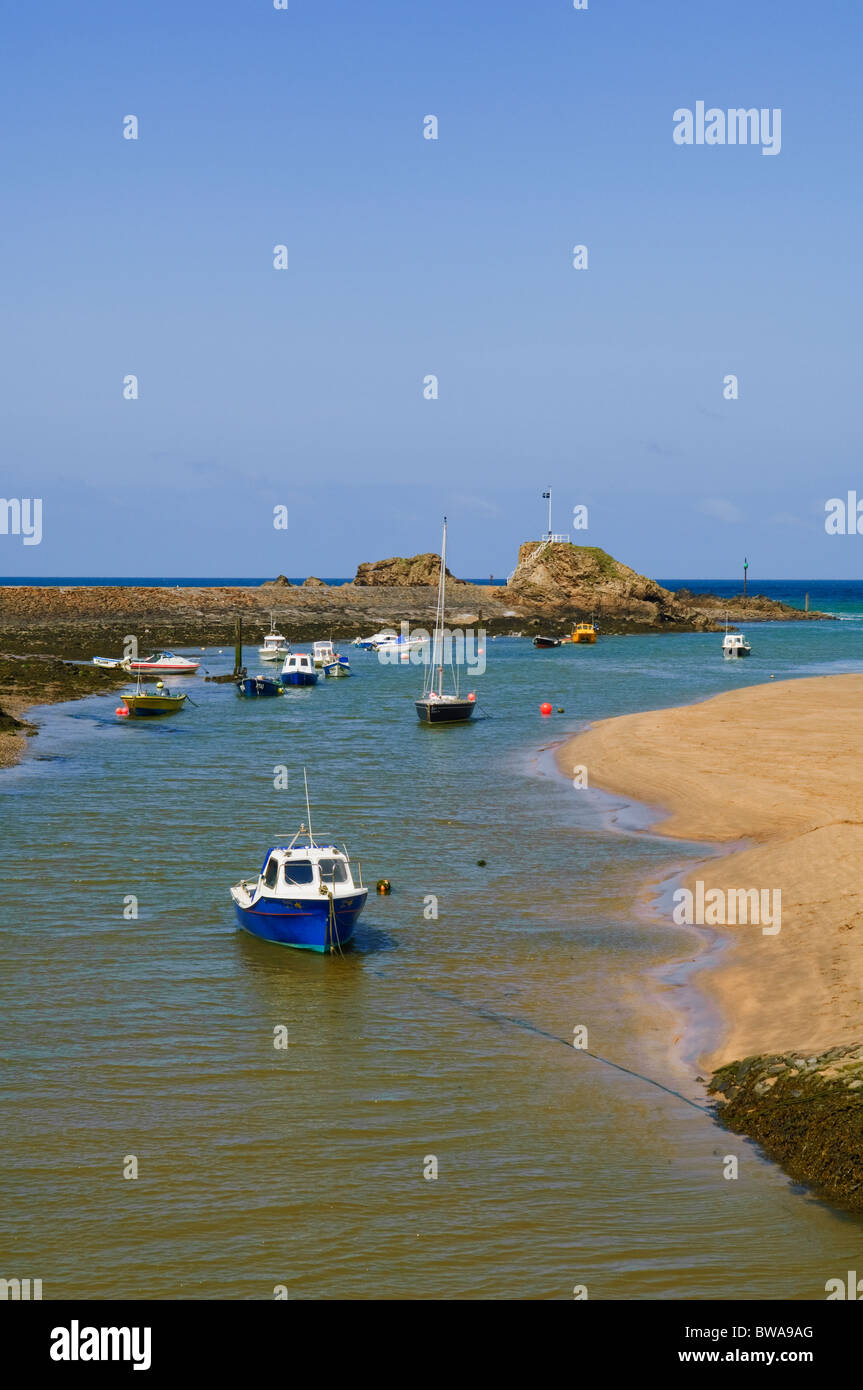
[435, 707]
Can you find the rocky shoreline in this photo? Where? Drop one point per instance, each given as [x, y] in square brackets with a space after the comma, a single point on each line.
[806, 1113]
[553, 586]
[43, 680]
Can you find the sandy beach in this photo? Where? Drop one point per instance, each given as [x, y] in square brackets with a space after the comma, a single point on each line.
[779, 766]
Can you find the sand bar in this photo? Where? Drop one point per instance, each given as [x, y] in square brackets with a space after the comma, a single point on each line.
[781, 767]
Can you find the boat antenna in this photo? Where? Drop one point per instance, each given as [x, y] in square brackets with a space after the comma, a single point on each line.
[308, 807]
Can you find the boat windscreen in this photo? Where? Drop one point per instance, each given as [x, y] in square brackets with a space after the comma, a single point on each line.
[300, 872]
[333, 870]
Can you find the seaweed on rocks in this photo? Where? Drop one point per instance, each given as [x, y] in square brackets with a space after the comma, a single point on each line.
[805, 1112]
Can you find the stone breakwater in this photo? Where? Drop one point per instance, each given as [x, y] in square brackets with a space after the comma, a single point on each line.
[805, 1112]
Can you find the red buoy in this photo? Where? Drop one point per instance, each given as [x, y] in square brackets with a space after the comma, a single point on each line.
[472, 695]
[121, 710]
[545, 708]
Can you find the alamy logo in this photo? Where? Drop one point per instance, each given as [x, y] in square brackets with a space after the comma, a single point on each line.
[844, 516]
[839, 1288]
[737, 126]
[76, 1343]
[720, 907]
[18, 1290]
[21, 517]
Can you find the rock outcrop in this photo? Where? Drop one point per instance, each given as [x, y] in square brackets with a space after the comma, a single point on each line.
[407, 573]
[313, 582]
[805, 1112]
[564, 579]
[751, 608]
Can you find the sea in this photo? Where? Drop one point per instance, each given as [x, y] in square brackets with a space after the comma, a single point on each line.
[430, 1131]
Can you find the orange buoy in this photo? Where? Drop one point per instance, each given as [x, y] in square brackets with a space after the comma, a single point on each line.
[121, 710]
[472, 695]
[545, 708]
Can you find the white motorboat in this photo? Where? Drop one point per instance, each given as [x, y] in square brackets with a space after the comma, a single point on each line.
[276, 646]
[387, 634]
[165, 663]
[323, 654]
[735, 644]
[400, 648]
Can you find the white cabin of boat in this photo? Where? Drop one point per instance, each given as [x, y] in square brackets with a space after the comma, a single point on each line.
[302, 871]
[323, 653]
[298, 661]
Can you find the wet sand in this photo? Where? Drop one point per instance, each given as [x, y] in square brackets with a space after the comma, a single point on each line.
[779, 766]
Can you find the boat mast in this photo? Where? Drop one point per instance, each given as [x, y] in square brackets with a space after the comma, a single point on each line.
[441, 598]
[308, 807]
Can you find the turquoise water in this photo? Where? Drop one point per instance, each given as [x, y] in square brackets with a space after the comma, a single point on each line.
[447, 1037]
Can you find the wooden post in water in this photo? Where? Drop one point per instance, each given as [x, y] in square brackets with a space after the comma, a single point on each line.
[806, 608]
[238, 647]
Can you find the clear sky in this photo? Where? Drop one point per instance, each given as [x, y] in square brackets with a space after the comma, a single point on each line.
[408, 257]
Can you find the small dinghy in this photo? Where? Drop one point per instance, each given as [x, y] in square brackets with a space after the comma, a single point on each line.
[546, 641]
[252, 686]
[307, 895]
[110, 663]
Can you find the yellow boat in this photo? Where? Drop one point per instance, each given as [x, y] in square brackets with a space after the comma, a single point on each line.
[584, 632]
[144, 702]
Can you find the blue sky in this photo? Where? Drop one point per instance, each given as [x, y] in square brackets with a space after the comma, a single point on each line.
[409, 257]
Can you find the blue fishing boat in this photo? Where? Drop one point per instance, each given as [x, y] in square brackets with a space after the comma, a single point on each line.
[299, 669]
[307, 895]
[260, 685]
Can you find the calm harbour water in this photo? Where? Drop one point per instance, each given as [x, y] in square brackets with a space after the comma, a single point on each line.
[448, 1037]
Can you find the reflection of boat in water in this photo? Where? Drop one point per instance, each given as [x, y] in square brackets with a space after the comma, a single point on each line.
[276, 646]
[166, 664]
[546, 641]
[306, 895]
[435, 707]
[299, 670]
[260, 685]
[584, 632]
[340, 667]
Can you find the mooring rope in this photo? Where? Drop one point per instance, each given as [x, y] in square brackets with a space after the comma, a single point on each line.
[492, 1015]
